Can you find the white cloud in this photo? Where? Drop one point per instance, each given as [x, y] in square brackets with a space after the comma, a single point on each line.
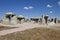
[59, 3]
[30, 7]
[51, 12]
[49, 6]
[27, 8]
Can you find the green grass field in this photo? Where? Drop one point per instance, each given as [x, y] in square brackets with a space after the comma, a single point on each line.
[34, 34]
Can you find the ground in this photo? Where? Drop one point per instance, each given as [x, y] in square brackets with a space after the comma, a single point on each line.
[34, 32]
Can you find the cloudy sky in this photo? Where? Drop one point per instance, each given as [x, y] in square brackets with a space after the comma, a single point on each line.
[31, 8]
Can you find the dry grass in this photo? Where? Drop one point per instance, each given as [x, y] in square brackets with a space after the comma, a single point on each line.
[5, 28]
[34, 34]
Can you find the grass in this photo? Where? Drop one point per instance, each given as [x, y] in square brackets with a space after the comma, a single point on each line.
[34, 34]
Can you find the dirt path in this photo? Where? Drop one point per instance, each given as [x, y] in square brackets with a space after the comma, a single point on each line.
[21, 27]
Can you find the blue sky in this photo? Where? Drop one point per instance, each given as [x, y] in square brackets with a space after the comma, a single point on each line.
[31, 8]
